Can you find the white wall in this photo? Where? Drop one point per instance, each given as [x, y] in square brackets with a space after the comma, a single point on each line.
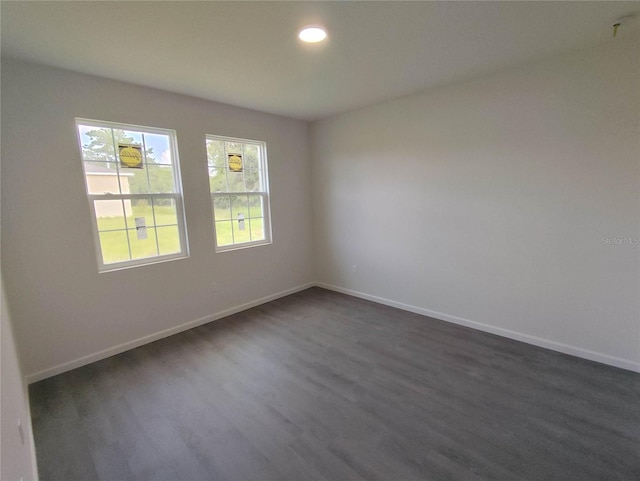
[487, 202]
[484, 203]
[16, 453]
[63, 309]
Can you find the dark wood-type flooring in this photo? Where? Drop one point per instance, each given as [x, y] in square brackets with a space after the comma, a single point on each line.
[323, 386]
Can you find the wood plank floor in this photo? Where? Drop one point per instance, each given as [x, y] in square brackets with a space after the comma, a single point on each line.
[322, 386]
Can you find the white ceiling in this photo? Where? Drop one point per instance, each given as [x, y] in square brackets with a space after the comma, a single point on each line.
[247, 53]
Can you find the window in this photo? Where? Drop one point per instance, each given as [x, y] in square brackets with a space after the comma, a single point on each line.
[133, 185]
[239, 192]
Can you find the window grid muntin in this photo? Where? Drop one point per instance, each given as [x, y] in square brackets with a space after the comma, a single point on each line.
[260, 168]
[266, 239]
[125, 197]
[120, 172]
[175, 195]
[129, 228]
[223, 165]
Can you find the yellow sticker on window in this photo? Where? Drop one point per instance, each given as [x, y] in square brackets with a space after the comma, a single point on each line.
[235, 163]
[130, 156]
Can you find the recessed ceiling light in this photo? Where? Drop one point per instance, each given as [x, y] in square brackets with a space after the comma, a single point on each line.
[312, 34]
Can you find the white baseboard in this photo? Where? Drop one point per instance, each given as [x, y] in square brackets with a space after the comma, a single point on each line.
[536, 341]
[125, 346]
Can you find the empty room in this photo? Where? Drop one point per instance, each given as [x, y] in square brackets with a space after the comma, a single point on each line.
[359, 240]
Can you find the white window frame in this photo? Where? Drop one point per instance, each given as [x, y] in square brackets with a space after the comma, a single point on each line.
[176, 196]
[266, 199]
